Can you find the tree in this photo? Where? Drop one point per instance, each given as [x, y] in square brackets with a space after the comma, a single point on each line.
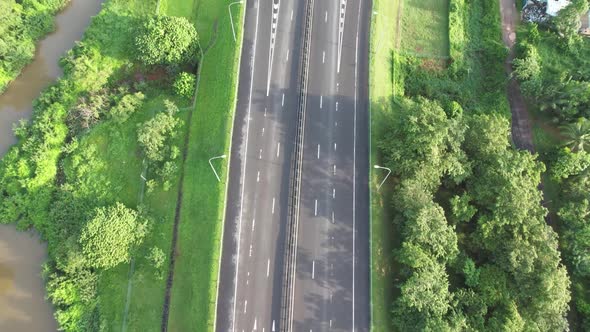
[110, 236]
[567, 22]
[126, 107]
[184, 85]
[154, 133]
[166, 40]
[578, 134]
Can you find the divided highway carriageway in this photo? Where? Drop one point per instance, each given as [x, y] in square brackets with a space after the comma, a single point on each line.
[295, 253]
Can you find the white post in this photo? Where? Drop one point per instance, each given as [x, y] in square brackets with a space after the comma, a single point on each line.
[388, 173]
[231, 18]
[213, 168]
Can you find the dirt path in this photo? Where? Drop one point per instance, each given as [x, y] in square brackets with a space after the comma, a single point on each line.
[521, 124]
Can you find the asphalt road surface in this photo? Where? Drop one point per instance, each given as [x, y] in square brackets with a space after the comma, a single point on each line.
[332, 273]
[331, 290]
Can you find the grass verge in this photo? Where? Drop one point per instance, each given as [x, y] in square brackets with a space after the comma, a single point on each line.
[382, 89]
[193, 294]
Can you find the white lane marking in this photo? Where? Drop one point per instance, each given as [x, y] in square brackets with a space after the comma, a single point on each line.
[262, 131]
[334, 169]
[336, 124]
[255, 321]
[278, 149]
[335, 146]
[356, 56]
[283, 100]
[253, 224]
[245, 306]
[332, 218]
[341, 21]
[273, 205]
[253, 60]
[318, 151]
[291, 14]
[324, 57]
[331, 295]
[250, 254]
[260, 154]
[313, 270]
[268, 268]
[321, 101]
[273, 325]
[316, 208]
[273, 36]
[330, 323]
[326, 17]
[258, 177]
[287, 55]
[333, 192]
[265, 112]
[336, 106]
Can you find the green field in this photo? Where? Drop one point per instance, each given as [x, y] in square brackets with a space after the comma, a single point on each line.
[382, 90]
[424, 28]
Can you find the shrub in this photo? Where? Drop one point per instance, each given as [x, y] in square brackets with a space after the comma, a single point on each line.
[166, 40]
[184, 85]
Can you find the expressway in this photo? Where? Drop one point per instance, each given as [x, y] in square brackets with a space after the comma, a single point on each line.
[331, 291]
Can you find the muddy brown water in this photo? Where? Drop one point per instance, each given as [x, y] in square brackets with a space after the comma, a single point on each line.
[23, 306]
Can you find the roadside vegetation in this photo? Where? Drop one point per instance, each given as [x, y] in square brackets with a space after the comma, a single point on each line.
[466, 246]
[22, 24]
[98, 169]
[553, 66]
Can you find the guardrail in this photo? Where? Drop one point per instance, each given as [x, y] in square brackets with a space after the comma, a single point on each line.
[290, 265]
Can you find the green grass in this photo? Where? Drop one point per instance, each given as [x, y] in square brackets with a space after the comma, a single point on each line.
[382, 91]
[425, 27]
[194, 290]
[119, 151]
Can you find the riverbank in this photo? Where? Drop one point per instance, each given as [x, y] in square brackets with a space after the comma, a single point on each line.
[67, 164]
[22, 25]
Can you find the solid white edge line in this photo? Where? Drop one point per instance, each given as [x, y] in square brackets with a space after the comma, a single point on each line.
[358, 24]
[244, 169]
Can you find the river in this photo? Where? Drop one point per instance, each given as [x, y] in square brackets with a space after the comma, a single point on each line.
[23, 306]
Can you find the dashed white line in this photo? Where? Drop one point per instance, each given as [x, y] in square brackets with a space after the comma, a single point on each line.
[245, 306]
[334, 169]
[291, 14]
[253, 224]
[318, 151]
[332, 216]
[313, 270]
[335, 146]
[321, 101]
[326, 17]
[278, 149]
[250, 253]
[287, 55]
[268, 273]
[283, 101]
[265, 112]
[260, 154]
[333, 192]
[258, 177]
[316, 208]
[273, 325]
[336, 124]
[336, 106]
[324, 57]
[262, 131]
[273, 205]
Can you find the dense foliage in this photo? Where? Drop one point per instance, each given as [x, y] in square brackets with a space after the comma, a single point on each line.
[72, 174]
[475, 252]
[22, 23]
[553, 66]
[166, 40]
